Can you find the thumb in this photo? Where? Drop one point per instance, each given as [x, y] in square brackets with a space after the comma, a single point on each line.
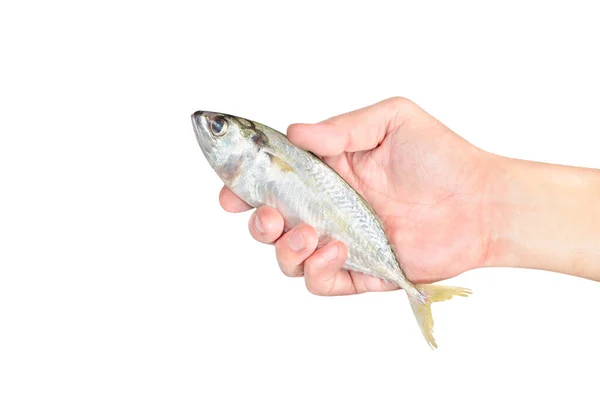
[362, 129]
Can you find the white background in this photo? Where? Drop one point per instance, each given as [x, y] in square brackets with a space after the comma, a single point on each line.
[121, 277]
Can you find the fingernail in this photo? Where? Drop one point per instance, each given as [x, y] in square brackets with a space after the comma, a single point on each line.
[258, 225]
[330, 252]
[297, 241]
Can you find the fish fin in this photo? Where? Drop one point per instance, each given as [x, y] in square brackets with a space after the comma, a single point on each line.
[422, 306]
[279, 163]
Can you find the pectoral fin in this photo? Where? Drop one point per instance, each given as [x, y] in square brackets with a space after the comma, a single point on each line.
[279, 163]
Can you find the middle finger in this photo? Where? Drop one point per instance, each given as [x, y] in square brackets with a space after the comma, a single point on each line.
[294, 247]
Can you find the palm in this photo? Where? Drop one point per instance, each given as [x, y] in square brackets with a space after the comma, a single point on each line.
[426, 188]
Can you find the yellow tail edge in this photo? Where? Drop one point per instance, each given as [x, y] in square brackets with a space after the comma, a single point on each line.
[422, 306]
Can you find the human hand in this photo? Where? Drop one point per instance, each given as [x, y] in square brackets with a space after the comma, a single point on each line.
[446, 205]
[427, 185]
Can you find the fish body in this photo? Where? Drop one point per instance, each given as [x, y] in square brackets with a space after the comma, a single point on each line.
[262, 167]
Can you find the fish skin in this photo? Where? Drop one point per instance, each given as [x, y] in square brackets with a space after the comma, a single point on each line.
[262, 167]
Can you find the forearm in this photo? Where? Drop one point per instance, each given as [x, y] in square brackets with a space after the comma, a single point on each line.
[545, 216]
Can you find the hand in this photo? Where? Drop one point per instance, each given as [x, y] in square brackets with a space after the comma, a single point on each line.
[447, 206]
[427, 185]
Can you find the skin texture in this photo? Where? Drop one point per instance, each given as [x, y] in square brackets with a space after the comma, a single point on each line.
[447, 206]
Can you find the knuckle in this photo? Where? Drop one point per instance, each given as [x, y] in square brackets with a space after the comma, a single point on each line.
[317, 287]
[402, 105]
[286, 264]
[399, 101]
[312, 288]
[291, 272]
[291, 269]
[315, 283]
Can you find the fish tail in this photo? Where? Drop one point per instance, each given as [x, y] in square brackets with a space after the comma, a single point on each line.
[421, 305]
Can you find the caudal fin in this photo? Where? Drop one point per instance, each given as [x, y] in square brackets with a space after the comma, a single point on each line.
[422, 306]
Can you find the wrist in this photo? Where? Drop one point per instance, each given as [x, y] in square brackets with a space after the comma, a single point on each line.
[544, 216]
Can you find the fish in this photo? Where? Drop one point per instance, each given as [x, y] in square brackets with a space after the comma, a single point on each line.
[262, 167]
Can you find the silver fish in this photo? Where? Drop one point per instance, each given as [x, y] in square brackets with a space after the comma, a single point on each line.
[262, 167]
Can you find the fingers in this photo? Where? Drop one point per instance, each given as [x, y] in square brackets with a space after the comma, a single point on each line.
[294, 247]
[358, 130]
[231, 203]
[365, 283]
[266, 224]
[323, 271]
[325, 277]
[296, 253]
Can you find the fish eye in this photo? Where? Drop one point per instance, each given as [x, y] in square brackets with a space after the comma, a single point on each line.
[218, 126]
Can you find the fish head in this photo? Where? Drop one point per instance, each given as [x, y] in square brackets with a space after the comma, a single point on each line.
[224, 141]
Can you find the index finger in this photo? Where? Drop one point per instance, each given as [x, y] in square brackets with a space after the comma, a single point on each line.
[231, 203]
[358, 130]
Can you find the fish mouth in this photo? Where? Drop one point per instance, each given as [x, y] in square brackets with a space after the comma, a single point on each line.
[197, 121]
